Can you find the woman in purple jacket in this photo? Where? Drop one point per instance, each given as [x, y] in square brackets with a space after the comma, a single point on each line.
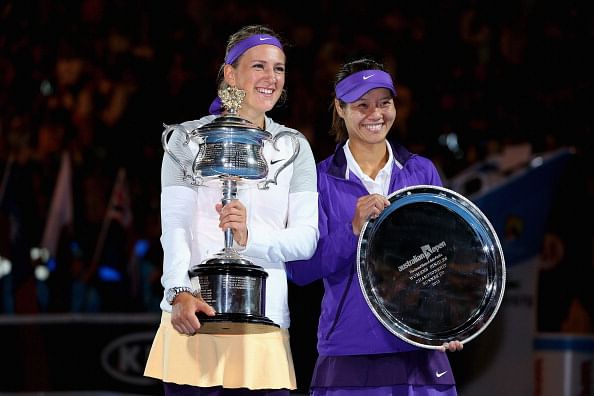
[357, 355]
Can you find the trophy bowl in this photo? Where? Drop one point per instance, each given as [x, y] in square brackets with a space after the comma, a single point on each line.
[230, 146]
[431, 267]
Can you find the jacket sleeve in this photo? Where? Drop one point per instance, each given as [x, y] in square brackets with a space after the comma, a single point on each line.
[176, 236]
[178, 202]
[336, 250]
[297, 241]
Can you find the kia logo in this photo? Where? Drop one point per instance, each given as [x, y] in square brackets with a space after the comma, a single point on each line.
[124, 358]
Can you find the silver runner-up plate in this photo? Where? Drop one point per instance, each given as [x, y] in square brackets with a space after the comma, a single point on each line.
[431, 267]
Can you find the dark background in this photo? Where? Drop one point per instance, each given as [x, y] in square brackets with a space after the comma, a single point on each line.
[98, 78]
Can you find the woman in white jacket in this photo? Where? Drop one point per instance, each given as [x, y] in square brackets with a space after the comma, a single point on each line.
[269, 227]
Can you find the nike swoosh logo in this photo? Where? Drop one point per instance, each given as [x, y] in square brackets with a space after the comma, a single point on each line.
[275, 161]
[264, 38]
[438, 374]
[369, 76]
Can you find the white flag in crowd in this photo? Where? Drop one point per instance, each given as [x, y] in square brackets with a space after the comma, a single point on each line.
[61, 208]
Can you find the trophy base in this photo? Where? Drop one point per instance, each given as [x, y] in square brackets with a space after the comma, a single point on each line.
[235, 323]
[236, 289]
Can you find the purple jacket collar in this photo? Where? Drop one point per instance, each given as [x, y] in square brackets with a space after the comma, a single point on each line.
[339, 162]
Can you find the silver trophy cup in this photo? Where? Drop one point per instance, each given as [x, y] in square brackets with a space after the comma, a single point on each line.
[230, 152]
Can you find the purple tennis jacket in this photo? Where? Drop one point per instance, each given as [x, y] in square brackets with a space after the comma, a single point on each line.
[347, 325]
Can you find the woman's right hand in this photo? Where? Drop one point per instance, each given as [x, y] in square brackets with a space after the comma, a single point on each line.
[184, 310]
[368, 207]
[452, 346]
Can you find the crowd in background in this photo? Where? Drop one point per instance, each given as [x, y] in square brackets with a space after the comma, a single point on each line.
[97, 79]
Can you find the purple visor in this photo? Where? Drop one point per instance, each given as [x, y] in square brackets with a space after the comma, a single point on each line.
[358, 84]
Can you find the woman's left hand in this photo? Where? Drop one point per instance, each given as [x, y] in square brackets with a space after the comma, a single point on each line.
[233, 215]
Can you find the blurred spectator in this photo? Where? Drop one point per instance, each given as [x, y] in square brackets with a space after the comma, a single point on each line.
[565, 293]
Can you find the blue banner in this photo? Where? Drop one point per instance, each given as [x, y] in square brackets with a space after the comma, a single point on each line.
[519, 207]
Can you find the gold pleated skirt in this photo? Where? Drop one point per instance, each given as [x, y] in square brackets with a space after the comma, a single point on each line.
[253, 361]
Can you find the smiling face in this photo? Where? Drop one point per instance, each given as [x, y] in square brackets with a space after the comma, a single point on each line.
[260, 72]
[369, 119]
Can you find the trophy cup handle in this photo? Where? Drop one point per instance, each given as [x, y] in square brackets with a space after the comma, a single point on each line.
[293, 136]
[193, 179]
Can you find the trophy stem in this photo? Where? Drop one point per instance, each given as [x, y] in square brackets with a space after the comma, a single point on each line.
[229, 194]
